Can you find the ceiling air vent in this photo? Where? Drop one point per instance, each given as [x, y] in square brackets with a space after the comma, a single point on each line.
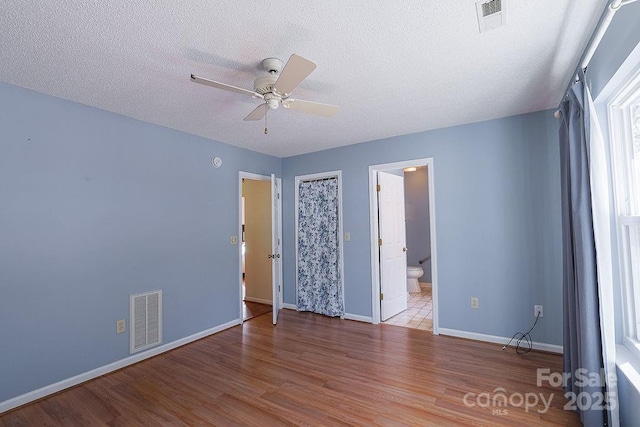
[491, 14]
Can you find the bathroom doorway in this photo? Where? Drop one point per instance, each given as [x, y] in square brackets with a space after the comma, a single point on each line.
[259, 246]
[418, 216]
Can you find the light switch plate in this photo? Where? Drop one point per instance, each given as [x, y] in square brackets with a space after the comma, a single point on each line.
[234, 240]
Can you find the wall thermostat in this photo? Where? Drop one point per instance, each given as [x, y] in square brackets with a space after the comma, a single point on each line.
[217, 162]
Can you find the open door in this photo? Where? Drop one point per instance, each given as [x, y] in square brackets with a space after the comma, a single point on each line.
[392, 245]
[260, 225]
[276, 233]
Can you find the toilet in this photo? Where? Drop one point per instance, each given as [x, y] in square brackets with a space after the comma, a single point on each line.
[413, 274]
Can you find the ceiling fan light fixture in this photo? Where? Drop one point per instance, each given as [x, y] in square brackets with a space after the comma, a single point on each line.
[273, 103]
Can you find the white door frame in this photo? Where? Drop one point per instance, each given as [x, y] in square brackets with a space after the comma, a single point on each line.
[248, 175]
[373, 222]
[318, 176]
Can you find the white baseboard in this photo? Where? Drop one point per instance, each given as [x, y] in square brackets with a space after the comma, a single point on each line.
[498, 340]
[357, 317]
[94, 373]
[258, 300]
[347, 316]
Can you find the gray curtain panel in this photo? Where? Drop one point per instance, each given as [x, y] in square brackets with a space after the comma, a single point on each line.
[319, 280]
[582, 340]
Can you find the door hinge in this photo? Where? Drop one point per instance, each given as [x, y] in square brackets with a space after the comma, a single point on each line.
[278, 242]
[378, 187]
[381, 296]
[278, 196]
[379, 242]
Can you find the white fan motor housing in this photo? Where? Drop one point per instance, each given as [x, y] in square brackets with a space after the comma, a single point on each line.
[272, 65]
[264, 84]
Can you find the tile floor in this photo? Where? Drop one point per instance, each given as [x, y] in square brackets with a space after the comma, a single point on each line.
[419, 312]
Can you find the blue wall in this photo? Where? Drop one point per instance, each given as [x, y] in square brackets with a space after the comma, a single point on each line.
[93, 207]
[628, 399]
[497, 192]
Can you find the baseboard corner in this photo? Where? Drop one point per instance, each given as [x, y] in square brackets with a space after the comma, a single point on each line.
[358, 318]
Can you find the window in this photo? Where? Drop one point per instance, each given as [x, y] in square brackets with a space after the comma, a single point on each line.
[624, 119]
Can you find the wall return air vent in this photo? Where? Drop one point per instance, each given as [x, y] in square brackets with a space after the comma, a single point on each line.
[146, 320]
[491, 14]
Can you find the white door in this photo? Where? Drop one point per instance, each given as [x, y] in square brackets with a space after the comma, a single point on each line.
[276, 239]
[392, 245]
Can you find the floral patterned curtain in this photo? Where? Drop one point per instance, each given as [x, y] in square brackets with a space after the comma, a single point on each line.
[319, 281]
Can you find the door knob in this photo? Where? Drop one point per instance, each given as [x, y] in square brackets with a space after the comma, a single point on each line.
[405, 249]
[270, 256]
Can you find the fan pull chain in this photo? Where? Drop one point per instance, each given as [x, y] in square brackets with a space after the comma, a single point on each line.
[265, 120]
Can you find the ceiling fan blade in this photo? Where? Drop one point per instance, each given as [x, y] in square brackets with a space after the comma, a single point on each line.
[224, 86]
[309, 107]
[258, 113]
[296, 70]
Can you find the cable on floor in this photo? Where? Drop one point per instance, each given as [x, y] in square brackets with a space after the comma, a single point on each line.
[526, 337]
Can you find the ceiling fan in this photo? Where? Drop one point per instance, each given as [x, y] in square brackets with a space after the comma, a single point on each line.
[276, 87]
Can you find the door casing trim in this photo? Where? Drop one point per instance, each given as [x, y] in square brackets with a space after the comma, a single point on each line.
[373, 222]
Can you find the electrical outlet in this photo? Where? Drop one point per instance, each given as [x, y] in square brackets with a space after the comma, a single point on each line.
[474, 302]
[121, 326]
[537, 311]
[347, 237]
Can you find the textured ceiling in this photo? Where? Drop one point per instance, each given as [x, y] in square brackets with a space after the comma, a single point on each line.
[394, 67]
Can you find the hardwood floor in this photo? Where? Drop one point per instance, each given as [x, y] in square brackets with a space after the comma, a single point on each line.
[312, 370]
[254, 309]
